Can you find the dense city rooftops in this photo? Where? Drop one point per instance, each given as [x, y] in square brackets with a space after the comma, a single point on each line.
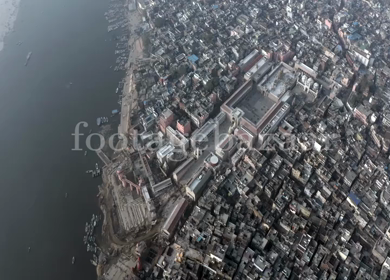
[286, 107]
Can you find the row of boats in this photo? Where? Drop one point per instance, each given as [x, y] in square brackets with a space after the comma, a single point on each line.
[124, 23]
[90, 240]
[119, 90]
[95, 173]
[117, 17]
[101, 120]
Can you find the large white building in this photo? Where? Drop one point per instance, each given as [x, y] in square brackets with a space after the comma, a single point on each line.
[177, 139]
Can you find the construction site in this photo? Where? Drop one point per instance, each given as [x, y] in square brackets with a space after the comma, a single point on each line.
[133, 196]
[136, 199]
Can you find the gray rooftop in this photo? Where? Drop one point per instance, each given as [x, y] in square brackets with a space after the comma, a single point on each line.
[255, 105]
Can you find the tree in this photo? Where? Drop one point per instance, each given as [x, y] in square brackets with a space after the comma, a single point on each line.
[209, 86]
[378, 107]
[214, 73]
[182, 70]
[174, 75]
[159, 22]
[363, 84]
[145, 41]
[138, 87]
[208, 38]
[215, 81]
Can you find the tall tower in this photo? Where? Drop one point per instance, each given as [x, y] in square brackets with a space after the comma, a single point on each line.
[236, 117]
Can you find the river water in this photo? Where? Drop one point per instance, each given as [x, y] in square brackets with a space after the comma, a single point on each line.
[38, 112]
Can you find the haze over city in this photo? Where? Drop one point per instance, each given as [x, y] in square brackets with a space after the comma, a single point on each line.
[204, 139]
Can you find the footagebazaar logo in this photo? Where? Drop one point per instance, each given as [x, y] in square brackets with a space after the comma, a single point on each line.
[198, 142]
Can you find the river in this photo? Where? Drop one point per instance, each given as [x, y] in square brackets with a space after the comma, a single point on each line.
[39, 109]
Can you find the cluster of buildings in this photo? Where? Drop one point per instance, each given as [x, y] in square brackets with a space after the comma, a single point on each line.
[269, 121]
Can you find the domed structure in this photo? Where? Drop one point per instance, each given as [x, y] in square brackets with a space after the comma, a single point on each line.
[214, 160]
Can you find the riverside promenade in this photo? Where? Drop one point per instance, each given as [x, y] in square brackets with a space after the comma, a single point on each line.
[130, 96]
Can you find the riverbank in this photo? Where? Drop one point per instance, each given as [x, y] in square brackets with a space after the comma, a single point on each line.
[129, 94]
[135, 54]
[8, 14]
[113, 247]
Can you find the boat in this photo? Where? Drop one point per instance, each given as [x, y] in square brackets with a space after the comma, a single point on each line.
[117, 89]
[96, 166]
[28, 58]
[101, 120]
[73, 260]
[114, 112]
[93, 262]
[66, 195]
[91, 230]
[29, 249]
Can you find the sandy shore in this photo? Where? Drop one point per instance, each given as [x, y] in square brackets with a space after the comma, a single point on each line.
[8, 13]
[127, 101]
[129, 97]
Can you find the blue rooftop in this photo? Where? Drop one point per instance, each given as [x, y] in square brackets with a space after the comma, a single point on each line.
[354, 198]
[354, 37]
[193, 59]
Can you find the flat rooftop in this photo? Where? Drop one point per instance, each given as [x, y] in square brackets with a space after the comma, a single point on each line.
[223, 128]
[254, 105]
[278, 81]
